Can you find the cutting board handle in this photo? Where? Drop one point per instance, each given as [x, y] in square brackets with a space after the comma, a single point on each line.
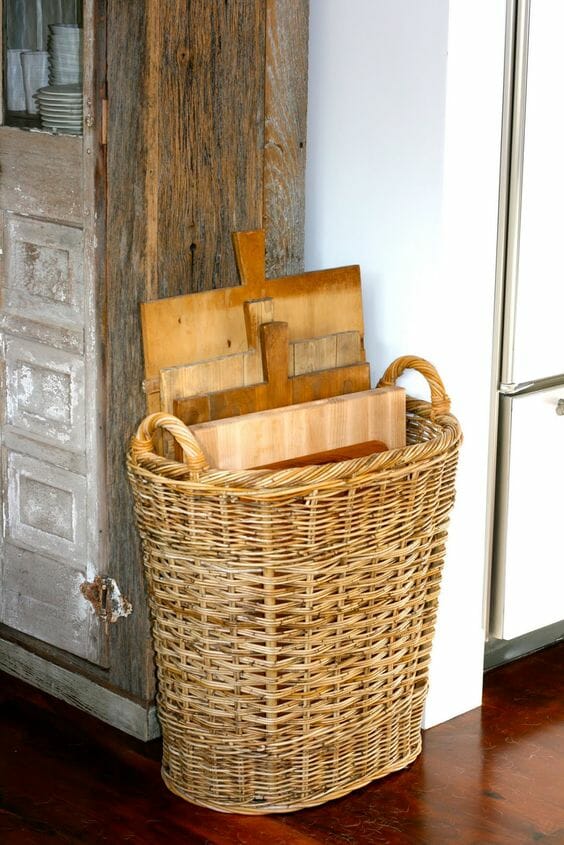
[440, 402]
[142, 442]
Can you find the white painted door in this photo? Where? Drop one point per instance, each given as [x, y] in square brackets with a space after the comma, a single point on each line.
[530, 530]
[535, 271]
[52, 537]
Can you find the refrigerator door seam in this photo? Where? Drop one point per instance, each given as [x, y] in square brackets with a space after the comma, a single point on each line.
[515, 187]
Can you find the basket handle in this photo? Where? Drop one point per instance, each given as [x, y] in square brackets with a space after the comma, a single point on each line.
[440, 402]
[142, 442]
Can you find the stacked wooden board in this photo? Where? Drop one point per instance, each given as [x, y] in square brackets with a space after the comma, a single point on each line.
[267, 344]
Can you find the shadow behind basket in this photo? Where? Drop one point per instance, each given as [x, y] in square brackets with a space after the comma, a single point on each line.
[293, 611]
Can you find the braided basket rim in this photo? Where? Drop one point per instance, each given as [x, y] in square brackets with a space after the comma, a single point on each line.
[445, 435]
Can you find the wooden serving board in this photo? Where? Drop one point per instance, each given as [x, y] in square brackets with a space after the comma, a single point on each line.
[184, 329]
[246, 368]
[281, 434]
[277, 388]
[220, 373]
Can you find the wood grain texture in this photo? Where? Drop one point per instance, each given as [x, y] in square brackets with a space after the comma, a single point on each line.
[225, 124]
[210, 135]
[280, 385]
[208, 324]
[245, 369]
[287, 28]
[187, 171]
[129, 715]
[184, 171]
[126, 286]
[31, 164]
[334, 350]
[273, 391]
[223, 372]
[278, 435]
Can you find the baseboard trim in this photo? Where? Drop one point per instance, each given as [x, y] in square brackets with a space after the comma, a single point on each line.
[127, 715]
[499, 651]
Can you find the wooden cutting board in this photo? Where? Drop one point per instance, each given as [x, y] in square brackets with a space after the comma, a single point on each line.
[281, 434]
[197, 326]
[221, 373]
[275, 390]
[330, 456]
[246, 368]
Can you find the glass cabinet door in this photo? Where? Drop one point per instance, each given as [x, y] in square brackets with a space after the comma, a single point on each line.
[43, 65]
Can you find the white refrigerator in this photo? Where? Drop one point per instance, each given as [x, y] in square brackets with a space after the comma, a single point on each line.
[528, 560]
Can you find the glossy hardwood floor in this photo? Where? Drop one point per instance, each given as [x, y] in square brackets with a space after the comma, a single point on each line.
[494, 776]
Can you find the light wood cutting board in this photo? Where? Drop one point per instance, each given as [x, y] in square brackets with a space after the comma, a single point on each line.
[281, 434]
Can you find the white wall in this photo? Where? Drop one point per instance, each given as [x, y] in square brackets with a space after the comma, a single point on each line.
[402, 178]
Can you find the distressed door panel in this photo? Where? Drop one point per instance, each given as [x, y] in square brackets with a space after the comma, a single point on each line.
[44, 270]
[41, 174]
[51, 266]
[46, 508]
[41, 597]
[45, 392]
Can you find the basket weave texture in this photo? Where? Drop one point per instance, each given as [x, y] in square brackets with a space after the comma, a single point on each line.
[293, 611]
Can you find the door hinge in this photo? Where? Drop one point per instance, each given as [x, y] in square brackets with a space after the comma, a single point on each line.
[104, 123]
[106, 598]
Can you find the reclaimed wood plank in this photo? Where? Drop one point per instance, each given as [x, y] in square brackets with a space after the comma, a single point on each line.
[126, 286]
[210, 135]
[185, 167]
[287, 29]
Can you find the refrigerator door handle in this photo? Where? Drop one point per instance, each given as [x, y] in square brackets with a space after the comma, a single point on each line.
[514, 389]
[511, 388]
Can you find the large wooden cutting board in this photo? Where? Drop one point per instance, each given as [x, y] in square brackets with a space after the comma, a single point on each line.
[269, 437]
[184, 329]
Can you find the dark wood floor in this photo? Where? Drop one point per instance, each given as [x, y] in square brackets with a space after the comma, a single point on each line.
[494, 776]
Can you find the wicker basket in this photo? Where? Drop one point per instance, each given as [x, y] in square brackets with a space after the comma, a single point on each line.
[293, 611]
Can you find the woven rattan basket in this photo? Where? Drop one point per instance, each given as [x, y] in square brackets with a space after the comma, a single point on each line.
[293, 611]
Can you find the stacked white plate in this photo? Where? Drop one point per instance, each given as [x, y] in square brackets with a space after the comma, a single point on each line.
[65, 53]
[60, 108]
